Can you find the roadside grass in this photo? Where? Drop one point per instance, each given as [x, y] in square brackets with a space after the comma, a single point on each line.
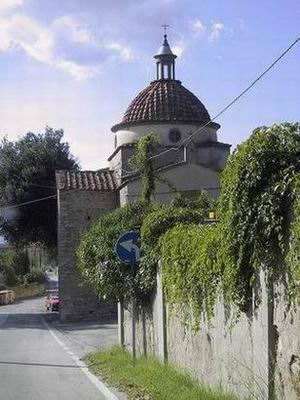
[147, 378]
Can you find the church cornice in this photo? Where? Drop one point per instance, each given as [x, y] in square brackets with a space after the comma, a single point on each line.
[128, 125]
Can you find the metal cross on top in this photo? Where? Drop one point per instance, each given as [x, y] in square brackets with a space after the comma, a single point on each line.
[165, 26]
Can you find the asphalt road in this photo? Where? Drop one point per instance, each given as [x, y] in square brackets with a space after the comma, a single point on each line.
[39, 361]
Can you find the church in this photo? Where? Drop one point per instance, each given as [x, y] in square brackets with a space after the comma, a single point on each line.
[190, 157]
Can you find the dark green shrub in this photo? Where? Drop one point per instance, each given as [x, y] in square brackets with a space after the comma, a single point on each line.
[7, 268]
[159, 221]
[34, 276]
[21, 263]
[96, 256]
[202, 202]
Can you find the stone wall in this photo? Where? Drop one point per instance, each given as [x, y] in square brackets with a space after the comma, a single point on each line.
[22, 292]
[287, 341]
[77, 209]
[254, 355]
[34, 289]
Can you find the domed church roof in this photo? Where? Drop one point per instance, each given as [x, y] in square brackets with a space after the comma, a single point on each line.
[166, 99]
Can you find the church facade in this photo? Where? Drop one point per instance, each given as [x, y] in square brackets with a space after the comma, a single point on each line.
[190, 157]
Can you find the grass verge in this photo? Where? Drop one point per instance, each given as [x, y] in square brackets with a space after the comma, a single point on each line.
[147, 378]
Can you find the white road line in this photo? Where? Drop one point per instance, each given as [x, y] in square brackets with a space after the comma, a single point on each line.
[84, 368]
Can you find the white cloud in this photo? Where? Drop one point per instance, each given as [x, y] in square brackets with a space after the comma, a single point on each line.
[198, 27]
[8, 4]
[78, 33]
[20, 32]
[216, 29]
[178, 49]
[79, 72]
[38, 42]
[41, 43]
[124, 52]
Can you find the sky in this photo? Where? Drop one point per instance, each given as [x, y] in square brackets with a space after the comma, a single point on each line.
[77, 64]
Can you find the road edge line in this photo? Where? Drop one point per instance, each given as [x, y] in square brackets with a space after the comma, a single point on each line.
[82, 365]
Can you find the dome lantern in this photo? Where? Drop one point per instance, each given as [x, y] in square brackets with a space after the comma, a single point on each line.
[165, 65]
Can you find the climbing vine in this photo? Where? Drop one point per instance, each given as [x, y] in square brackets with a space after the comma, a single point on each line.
[191, 271]
[96, 256]
[259, 227]
[158, 222]
[256, 200]
[143, 162]
[293, 254]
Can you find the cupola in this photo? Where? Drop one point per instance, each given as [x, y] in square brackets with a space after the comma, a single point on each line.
[165, 64]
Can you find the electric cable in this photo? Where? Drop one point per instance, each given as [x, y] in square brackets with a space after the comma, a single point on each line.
[237, 98]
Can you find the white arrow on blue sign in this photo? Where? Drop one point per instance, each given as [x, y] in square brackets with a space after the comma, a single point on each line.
[128, 248]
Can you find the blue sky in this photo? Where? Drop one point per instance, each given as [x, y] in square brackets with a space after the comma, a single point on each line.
[76, 64]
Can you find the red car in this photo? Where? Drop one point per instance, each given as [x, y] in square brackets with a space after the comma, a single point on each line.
[52, 300]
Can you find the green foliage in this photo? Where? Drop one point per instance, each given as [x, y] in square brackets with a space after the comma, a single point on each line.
[142, 161]
[293, 254]
[20, 261]
[256, 199]
[191, 272]
[27, 172]
[155, 224]
[98, 262]
[34, 276]
[147, 378]
[96, 256]
[165, 217]
[260, 189]
[14, 264]
[7, 268]
[259, 213]
[202, 202]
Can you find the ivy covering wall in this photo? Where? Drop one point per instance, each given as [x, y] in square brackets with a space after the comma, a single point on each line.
[259, 227]
[97, 260]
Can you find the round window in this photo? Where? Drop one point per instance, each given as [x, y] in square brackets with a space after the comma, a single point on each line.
[174, 135]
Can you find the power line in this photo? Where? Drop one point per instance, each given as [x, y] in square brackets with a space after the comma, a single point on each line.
[237, 98]
[27, 202]
[186, 140]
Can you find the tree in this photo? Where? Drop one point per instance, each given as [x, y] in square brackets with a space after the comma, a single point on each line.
[27, 173]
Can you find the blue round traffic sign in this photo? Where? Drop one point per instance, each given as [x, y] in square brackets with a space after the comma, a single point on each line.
[128, 248]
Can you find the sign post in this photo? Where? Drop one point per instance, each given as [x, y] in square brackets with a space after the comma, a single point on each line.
[128, 251]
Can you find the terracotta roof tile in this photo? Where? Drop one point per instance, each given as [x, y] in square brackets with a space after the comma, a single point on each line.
[165, 101]
[102, 180]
